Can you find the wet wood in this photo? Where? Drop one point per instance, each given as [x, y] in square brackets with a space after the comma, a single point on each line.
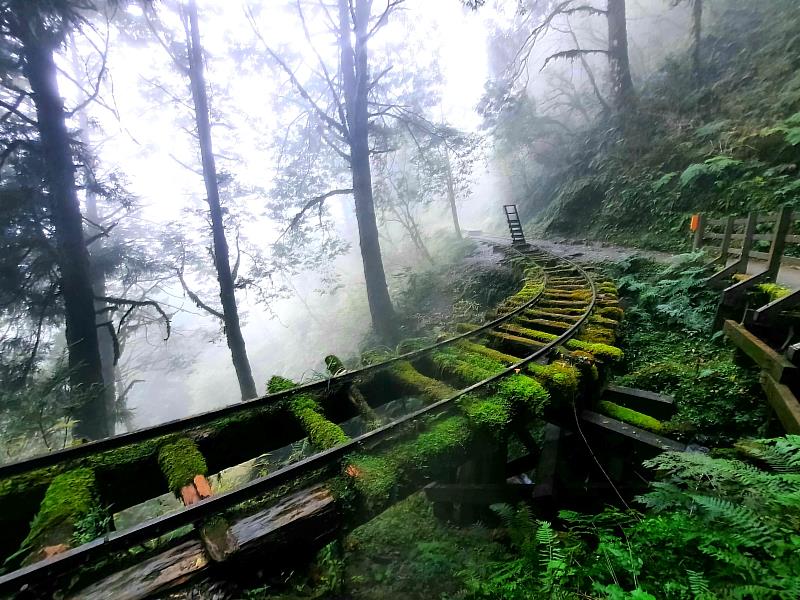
[306, 518]
[152, 576]
[776, 365]
[784, 402]
[548, 462]
[659, 406]
[640, 436]
[482, 494]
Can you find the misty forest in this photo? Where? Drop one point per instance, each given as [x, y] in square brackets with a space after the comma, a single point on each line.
[376, 299]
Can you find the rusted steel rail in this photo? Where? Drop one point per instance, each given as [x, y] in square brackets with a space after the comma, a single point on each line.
[320, 462]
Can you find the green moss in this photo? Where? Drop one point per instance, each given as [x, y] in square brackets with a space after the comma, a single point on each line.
[180, 462]
[559, 378]
[771, 292]
[611, 312]
[277, 384]
[321, 432]
[515, 340]
[601, 351]
[466, 367]
[374, 477]
[629, 416]
[598, 335]
[603, 321]
[522, 391]
[491, 353]
[491, 414]
[415, 383]
[70, 497]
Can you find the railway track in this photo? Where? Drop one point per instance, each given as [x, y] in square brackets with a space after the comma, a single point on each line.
[533, 354]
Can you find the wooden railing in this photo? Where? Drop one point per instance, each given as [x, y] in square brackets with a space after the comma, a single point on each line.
[735, 237]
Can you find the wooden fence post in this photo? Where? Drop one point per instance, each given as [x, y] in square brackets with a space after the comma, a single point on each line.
[747, 242]
[782, 225]
[726, 241]
[699, 231]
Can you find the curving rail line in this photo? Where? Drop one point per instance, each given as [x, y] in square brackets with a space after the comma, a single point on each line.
[559, 278]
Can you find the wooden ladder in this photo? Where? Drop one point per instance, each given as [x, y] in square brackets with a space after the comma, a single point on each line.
[514, 225]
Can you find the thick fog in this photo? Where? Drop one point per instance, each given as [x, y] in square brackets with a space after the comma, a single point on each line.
[139, 130]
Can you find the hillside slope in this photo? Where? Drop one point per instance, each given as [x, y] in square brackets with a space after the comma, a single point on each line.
[727, 141]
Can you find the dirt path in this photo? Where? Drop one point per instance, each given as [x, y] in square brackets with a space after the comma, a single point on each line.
[590, 251]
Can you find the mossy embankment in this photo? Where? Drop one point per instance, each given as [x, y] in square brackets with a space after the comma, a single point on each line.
[725, 142]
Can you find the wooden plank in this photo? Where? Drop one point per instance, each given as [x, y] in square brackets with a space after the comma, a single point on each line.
[770, 312]
[152, 576]
[793, 261]
[548, 462]
[310, 513]
[656, 405]
[781, 370]
[793, 354]
[779, 242]
[481, 494]
[636, 434]
[732, 293]
[783, 401]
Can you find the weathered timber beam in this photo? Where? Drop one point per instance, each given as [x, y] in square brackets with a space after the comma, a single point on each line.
[770, 312]
[637, 435]
[481, 494]
[656, 405]
[783, 401]
[780, 369]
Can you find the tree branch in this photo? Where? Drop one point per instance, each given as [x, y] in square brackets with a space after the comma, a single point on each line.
[570, 55]
[136, 304]
[326, 118]
[316, 201]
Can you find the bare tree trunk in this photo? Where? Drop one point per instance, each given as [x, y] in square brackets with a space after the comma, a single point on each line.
[451, 194]
[355, 77]
[86, 378]
[619, 64]
[697, 32]
[98, 277]
[233, 330]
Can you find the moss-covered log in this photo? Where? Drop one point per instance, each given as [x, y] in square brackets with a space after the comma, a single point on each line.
[70, 499]
[321, 432]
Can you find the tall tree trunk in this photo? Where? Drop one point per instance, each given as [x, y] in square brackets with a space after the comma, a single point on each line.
[697, 32]
[86, 379]
[451, 193]
[233, 330]
[619, 64]
[105, 340]
[355, 77]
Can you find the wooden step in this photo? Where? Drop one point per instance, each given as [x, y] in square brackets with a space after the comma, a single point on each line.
[659, 406]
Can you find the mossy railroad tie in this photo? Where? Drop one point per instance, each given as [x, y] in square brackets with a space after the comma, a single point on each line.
[414, 383]
[322, 433]
[184, 467]
[70, 500]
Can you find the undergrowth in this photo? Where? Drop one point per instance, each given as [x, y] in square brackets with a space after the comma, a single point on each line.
[669, 348]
